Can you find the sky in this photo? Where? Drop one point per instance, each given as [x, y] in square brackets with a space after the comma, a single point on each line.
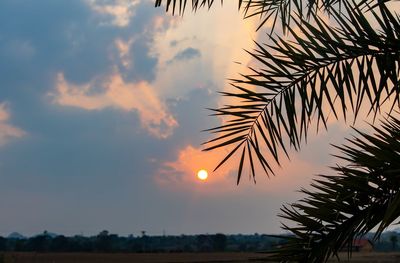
[102, 104]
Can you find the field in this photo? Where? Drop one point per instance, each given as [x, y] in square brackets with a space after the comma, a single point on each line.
[172, 258]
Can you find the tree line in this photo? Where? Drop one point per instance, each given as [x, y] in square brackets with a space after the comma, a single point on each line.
[104, 242]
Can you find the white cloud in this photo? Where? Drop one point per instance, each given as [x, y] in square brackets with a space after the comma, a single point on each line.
[123, 49]
[7, 131]
[117, 93]
[121, 10]
[219, 47]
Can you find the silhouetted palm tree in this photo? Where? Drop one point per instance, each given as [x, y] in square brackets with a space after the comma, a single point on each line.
[320, 69]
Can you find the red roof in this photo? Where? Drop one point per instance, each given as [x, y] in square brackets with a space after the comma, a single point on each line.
[361, 242]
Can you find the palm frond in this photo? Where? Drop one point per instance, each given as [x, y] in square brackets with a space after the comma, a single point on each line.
[341, 208]
[267, 10]
[323, 72]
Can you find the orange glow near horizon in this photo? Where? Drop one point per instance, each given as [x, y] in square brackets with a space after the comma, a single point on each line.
[202, 175]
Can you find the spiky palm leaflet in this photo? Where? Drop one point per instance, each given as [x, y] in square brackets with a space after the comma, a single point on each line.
[340, 208]
[322, 72]
[314, 72]
[267, 10]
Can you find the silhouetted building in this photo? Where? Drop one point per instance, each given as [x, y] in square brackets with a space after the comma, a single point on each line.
[361, 245]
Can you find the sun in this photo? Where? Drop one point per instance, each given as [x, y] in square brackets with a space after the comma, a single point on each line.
[202, 174]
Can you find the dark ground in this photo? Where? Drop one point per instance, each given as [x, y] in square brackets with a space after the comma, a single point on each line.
[374, 257]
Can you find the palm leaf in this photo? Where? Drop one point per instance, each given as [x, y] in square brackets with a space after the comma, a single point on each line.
[322, 72]
[340, 208]
[267, 10]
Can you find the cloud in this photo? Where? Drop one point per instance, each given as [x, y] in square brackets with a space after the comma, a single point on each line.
[117, 93]
[181, 173]
[124, 48]
[203, 52]
[7, 131]
[133, 58]
[120, 10]
[186, 54]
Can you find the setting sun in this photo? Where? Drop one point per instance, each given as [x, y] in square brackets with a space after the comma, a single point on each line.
[202, 174]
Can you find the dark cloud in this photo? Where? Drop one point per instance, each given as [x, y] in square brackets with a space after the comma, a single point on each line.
[144, 65]
[186, 54]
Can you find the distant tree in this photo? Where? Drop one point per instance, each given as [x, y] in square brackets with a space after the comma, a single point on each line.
[135, 245]
[39, 243]
[219, 242]
[393, 240]
[80, 243]
[103, 233]
[144, 241]
[3, 244]
[60, 244]
[203, 243]
[103, 242]
[243, 247]
[19, 245]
